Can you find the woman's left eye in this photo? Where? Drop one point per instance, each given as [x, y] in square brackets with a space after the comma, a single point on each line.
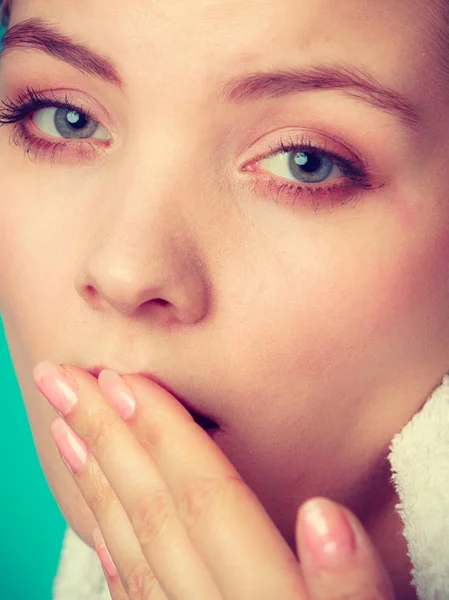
[305, 166]
[68, 124]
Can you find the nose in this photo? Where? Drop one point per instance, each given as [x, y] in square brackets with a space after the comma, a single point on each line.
[143, 259]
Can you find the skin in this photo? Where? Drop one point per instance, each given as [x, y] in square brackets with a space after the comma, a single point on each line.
[183, 524]
[315, 336]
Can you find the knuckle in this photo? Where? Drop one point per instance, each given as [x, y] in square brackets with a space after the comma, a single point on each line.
[151, 516]
[156, 429]
[140, 583]
[99, 432]
[98, 493]
[201, 495]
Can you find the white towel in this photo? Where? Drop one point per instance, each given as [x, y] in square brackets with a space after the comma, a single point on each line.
[79, 575]
[419, 457]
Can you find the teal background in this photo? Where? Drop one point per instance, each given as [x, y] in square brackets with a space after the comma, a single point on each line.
[31, 524]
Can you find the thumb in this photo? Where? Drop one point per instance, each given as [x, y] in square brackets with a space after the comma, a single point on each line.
[337, 556]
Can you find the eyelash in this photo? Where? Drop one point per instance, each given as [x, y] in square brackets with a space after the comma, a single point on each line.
[357, 176]
[16, 112]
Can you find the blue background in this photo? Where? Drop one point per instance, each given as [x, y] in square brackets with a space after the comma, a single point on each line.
[32, 526]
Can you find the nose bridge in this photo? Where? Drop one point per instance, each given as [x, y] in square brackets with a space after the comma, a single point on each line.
[145, 240]
[149, 179]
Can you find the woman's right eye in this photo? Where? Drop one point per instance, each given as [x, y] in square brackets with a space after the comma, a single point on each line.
[68, 124]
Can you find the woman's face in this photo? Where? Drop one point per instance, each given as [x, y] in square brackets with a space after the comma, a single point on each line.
[302, 297]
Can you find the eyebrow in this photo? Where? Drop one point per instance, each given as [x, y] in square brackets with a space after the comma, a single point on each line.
[37, 34]
[354, 82]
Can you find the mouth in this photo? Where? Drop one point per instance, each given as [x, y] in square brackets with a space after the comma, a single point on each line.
[205, 422]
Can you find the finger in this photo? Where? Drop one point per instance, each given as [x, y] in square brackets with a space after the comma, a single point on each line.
[128, 574]
[140, 489]
[226, 522]
[338, 559]
[116, 589]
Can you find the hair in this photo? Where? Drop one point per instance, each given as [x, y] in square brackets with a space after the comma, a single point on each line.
[438, 18]
[5, 12]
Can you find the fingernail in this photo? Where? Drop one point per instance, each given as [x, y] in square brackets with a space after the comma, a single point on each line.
[57, 387]
[118, 393]
[72, 448]
[103, 553]
[329, 536]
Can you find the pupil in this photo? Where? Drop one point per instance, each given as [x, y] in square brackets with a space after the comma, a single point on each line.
[76, 120]
[308, 161]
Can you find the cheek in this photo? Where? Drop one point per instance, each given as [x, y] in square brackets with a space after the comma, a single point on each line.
[332, 330]
[33, 230]
[347, 306]
[24, 257]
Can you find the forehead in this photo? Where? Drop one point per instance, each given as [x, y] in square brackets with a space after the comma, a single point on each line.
[389, 38]
[304, 21]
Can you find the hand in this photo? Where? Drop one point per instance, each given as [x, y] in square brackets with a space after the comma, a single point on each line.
[178, 520]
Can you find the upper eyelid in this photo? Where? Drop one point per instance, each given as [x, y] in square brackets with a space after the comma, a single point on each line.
[282, 147]
[303, 136]
[43, 106]
[311, 147]
[81, 107]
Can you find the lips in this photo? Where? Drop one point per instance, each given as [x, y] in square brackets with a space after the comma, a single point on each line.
[204, 421]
